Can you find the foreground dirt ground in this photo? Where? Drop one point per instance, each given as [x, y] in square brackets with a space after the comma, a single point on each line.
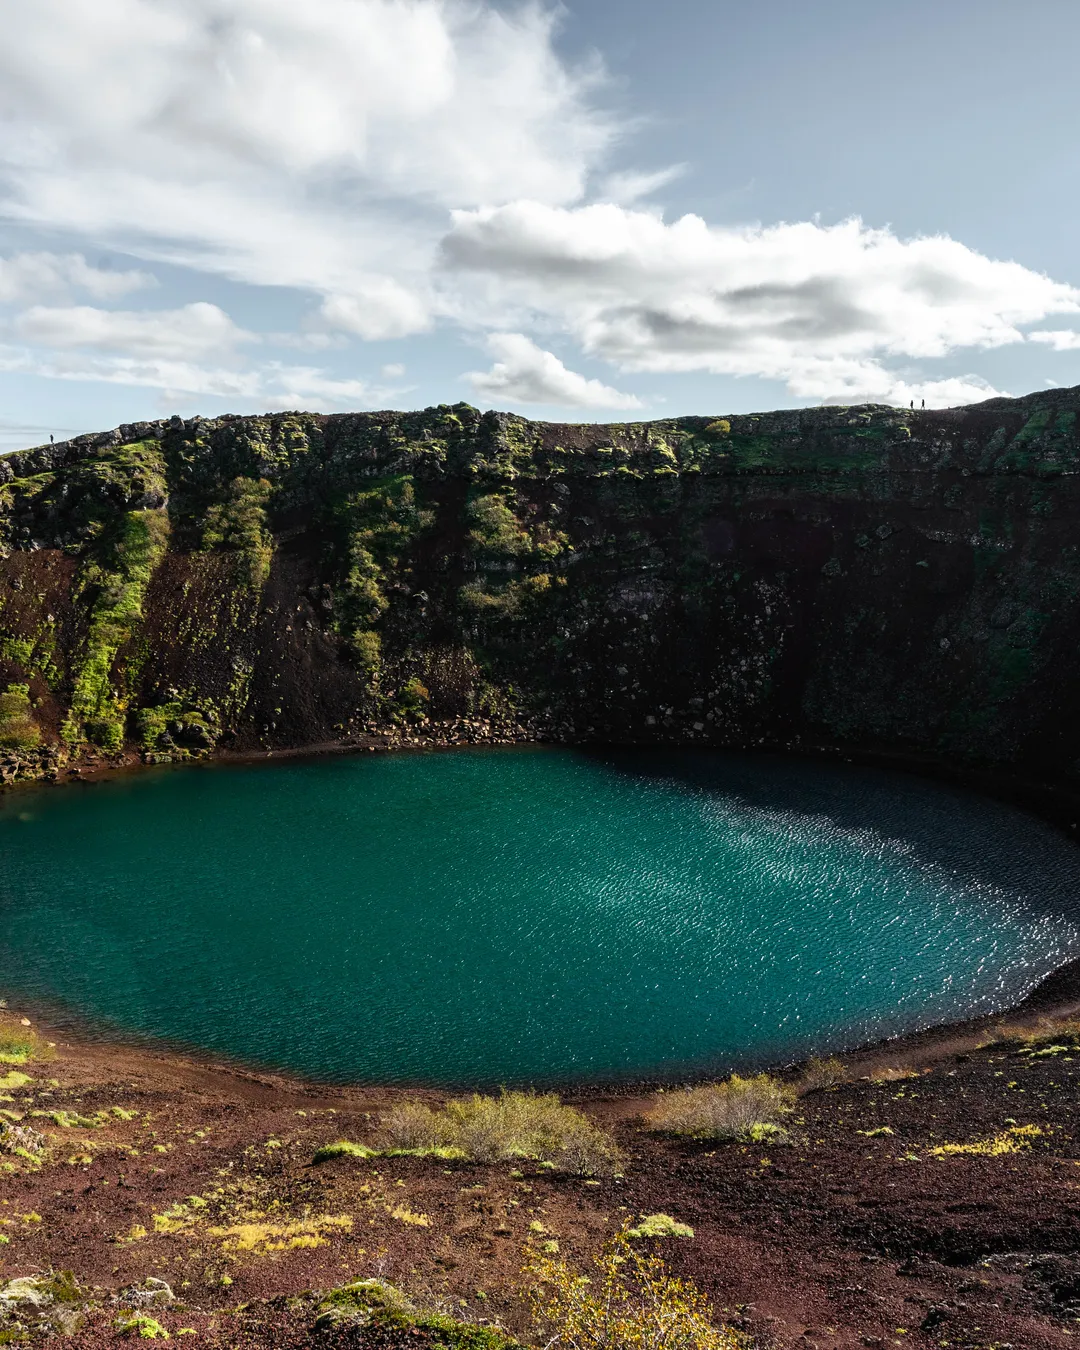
[856, 1233]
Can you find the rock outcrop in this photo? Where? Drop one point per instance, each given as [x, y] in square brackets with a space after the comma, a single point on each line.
[858, 576]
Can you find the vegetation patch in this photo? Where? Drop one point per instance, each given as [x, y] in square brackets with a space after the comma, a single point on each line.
[724, 1111]
[175, 729]
[243, 1217]
[238, 524]
[512, 1125]
[142, 1325]
[364, 1301]
[821, 1074]
[263, 1238]
[99, 705]
[18, 730]
[343, 1148]
[374, 1301]
[376, 528]
[20, 1044]
[658, 1226]
[1013, 1140]
[627, 1302]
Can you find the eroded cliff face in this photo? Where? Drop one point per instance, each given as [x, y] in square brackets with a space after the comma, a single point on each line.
[854, 576]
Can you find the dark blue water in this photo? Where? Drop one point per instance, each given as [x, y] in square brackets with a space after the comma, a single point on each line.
[515, 916]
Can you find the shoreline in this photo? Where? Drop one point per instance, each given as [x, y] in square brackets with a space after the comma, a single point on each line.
[1056, 998]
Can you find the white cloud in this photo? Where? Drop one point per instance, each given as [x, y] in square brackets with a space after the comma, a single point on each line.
[820, 307]
[196, 350]
[273, 385]
[393, 371]
[525, 373]
[194, 331]
[378, 308]
[626, 187]
[1060, 339]
[26, 277]
[315, 145]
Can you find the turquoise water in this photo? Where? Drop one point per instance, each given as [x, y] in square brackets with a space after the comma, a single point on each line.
[525, 916]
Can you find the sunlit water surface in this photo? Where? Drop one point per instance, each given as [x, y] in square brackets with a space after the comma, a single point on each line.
[526, 916]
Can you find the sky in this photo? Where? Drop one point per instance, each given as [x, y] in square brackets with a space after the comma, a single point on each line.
[605, 210]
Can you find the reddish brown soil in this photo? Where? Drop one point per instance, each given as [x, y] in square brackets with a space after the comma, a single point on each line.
[842, 1238]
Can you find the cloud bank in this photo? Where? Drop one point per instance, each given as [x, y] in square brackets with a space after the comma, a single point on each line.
[819, 307]
[419, 166]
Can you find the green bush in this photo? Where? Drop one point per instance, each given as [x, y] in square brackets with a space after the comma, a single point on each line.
[728, 1110]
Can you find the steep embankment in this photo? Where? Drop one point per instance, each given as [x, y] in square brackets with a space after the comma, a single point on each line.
[865, 577]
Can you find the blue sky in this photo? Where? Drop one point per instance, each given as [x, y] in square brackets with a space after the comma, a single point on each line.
[604, 211]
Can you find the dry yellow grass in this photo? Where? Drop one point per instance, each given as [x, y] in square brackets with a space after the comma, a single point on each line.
[496, 1129]
[728, 1110]
[264, 1238]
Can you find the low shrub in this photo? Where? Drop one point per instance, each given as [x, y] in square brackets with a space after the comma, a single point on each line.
[530, 1125]
[820, 1074]
[414, 1125]
[491, 1129]
[512, 1125]
[628, 1302]
[728, 1110]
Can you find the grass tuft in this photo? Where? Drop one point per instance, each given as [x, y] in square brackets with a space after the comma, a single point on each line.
[343, 1148]
[660, 1225]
